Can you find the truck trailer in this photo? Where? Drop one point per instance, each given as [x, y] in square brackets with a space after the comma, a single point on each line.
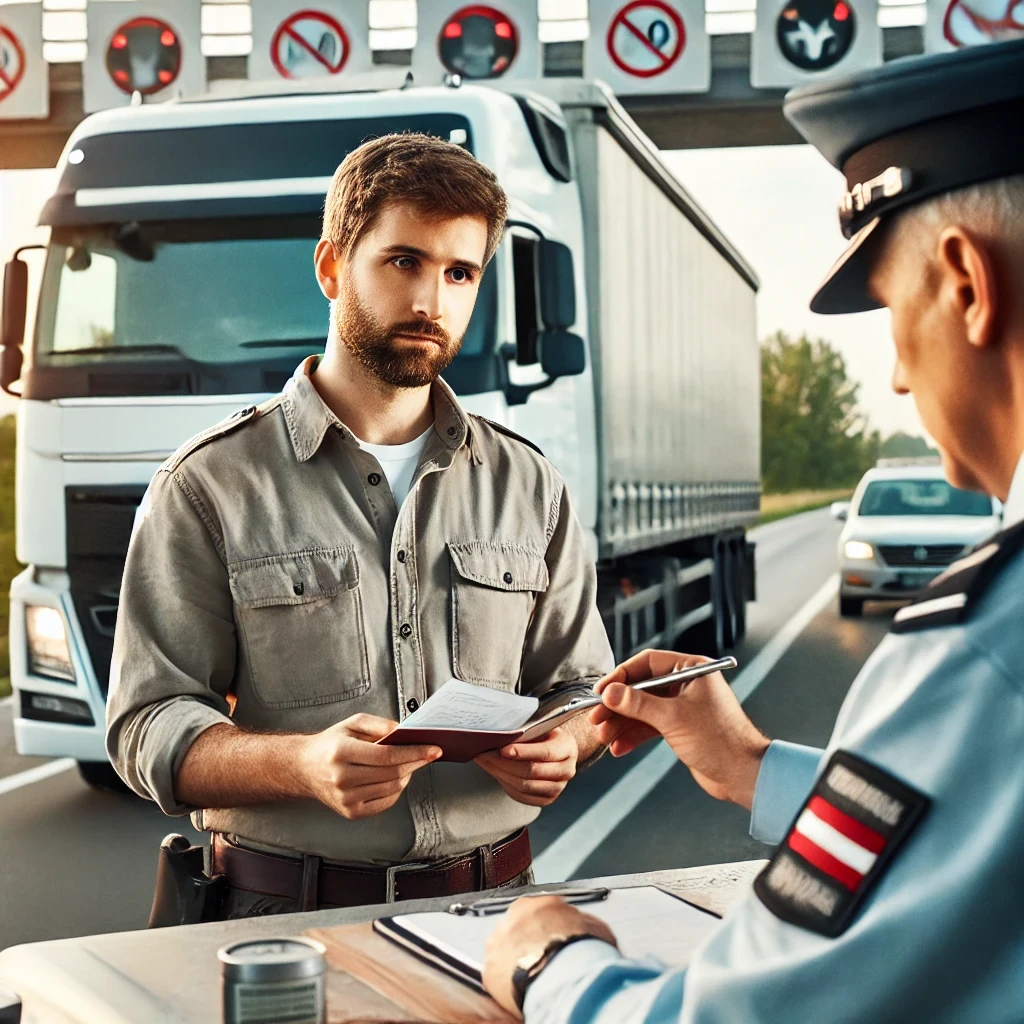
[615, 328]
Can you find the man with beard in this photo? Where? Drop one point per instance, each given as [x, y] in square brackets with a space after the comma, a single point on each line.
[308, 572]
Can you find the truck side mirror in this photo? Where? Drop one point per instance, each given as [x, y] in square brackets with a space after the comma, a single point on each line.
[561, 354]
[557, 286]
[12, 326]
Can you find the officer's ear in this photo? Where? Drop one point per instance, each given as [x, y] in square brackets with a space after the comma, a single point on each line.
[967, 274]
[327, 262]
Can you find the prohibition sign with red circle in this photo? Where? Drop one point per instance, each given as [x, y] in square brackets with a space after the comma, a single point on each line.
[157, 49]
[288, 32]
[665, 60]
[10, 78]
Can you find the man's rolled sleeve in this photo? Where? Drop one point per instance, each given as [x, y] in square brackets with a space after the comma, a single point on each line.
[567, 641]
[174, 646]
[787, 773]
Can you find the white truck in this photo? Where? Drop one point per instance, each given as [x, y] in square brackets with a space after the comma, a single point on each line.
[178, 286]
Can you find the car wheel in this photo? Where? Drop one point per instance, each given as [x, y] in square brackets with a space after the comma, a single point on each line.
[851, 607]
[101, 775]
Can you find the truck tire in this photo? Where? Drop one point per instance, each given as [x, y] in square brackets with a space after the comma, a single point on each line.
[739, 562]
[727, 568]
[851, 607]
[708, 637]
[101, 775]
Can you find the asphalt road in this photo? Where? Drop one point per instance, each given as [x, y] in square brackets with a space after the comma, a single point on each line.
[74, 861]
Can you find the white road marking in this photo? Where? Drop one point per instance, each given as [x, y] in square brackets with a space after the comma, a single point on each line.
[567, 853]
[43, 771]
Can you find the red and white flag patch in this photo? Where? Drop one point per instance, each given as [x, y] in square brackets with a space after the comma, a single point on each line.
[844, 836]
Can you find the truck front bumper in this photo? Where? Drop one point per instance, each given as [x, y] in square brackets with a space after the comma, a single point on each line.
[41, 727]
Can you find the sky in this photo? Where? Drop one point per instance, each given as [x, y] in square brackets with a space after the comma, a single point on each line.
[776, 204]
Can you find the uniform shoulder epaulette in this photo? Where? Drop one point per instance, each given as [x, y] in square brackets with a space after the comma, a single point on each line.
[502, 429]
[948, 599]
[228, 426]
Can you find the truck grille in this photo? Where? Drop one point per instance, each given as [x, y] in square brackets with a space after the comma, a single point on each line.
[920, 555]
[99, 525]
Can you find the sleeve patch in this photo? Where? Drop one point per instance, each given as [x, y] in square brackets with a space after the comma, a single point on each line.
[841, 843]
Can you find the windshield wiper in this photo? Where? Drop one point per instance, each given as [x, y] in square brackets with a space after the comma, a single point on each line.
[315, 343]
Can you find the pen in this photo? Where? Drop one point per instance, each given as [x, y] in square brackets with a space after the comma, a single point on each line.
[497, 904]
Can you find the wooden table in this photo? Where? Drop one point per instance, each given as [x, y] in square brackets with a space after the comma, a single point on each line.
[172, 974]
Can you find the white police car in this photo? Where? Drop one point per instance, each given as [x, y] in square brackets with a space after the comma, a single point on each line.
[904, 525]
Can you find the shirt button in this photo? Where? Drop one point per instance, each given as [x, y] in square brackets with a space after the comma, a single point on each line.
[507, 577]
[299, 588]
[412, 704]
[401, 557]
[374, 479]
[405, 629]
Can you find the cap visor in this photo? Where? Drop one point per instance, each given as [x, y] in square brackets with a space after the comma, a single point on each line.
[845, 288]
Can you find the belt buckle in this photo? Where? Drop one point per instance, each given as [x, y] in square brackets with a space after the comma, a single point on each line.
[392, 873]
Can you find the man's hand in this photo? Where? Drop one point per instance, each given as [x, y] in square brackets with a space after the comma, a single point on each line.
[529, 926]
[345, 769]
[534, 773]
[701, 721]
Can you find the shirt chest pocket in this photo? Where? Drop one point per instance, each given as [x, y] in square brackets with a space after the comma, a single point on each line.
[301, 620]
[493, 591]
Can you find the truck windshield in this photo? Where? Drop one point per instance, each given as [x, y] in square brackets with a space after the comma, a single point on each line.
[921, 498]
[214, 297]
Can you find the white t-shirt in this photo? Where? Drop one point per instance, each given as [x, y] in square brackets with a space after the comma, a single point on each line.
[399, 462]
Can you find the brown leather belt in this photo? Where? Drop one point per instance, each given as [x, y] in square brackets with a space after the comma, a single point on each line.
[314, 883]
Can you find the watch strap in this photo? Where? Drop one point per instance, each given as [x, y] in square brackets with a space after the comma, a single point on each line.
[523, 977]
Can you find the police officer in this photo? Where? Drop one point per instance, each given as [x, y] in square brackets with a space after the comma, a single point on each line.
[896, 891]
[305, 574]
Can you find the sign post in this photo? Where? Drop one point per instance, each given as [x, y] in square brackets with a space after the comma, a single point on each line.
[24, 76]
[648, 46]
[293, 41]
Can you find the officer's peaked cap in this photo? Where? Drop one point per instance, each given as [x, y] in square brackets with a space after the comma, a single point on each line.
[907, 131]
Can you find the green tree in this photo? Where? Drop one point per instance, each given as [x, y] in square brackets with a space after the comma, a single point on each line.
[812, 433]
[905, 446]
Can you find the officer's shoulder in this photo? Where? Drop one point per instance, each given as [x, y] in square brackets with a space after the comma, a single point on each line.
[233, 423]
[956, 595]
[501, 429]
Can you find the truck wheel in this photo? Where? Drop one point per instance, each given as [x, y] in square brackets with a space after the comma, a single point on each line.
[851, 607]
[730, 596]
[708, 637]
[101, 775]
[740, 591]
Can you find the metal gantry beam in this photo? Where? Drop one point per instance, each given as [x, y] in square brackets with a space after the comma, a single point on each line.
[731, 113]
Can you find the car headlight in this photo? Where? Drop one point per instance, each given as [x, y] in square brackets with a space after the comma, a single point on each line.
[858, 551]
[48, 653]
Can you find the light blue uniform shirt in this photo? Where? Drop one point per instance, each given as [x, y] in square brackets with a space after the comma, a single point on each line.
[941, 936]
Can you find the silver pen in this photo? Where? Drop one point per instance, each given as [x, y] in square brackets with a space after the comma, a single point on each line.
[497, 904]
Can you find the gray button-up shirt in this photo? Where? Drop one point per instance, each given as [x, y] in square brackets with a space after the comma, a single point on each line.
[271, 562]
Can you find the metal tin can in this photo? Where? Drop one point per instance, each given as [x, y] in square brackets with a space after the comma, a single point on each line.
[269, 981]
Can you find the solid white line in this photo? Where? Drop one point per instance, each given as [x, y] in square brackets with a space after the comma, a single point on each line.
[564, 856]
[44, 771]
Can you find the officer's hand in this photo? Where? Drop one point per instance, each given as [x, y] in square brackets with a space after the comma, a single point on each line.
[534, 773]
[529, 926]
[702, 722]
[346, 769]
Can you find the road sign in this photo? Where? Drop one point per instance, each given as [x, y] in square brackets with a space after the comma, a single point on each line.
[798, 41]
[648, 46]
[309, 44]
[146, 46]
[144, 55]
[477, 41]
[646, 38]
[952, 24]
[295, 41]
[24, 81]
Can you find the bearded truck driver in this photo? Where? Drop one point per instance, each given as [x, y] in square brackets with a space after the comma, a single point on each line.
[329, 559]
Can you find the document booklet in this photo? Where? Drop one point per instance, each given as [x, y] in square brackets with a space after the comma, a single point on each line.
[647, 922]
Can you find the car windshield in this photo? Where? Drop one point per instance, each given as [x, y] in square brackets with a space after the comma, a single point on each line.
[921, 498]
[213, 293]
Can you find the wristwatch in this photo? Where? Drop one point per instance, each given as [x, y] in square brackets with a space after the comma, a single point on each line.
[528, 967]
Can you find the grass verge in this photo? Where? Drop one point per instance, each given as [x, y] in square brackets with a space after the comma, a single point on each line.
[779, 506]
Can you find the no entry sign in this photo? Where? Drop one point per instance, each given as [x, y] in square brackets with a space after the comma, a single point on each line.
[646, 38]
[309, 44]
[12, 62]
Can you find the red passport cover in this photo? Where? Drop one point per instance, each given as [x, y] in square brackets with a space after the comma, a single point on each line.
[459, 745]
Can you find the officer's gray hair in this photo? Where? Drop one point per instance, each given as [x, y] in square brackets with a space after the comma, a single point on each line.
[995, 208]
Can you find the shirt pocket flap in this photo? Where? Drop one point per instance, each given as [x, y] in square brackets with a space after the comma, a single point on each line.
[509, 567]
[297, 578]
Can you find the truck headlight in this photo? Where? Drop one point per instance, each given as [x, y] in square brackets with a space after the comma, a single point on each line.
[48, 653]
[858, 551]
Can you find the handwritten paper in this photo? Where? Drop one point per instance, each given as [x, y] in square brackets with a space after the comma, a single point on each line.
[461, 705]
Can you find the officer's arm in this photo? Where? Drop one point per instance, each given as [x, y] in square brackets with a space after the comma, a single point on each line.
[567, 641]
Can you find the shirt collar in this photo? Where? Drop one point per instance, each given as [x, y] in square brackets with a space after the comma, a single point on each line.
[1013, 507]
[309, 418]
